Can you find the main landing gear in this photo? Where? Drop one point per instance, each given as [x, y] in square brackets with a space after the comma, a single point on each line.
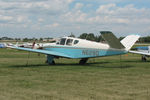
[50, 60]
[143, 58]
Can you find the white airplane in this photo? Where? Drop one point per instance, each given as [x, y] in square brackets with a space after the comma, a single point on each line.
[144, 51]
[32, 45]
[69, 47]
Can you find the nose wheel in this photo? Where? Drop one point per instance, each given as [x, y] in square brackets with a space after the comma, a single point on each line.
[50, 63]
[83, 61]
[50, 60]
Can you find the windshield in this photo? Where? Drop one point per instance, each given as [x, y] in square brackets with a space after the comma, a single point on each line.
[62, 41]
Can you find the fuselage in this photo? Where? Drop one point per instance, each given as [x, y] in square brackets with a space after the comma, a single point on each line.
[80, 48]
[145, 49]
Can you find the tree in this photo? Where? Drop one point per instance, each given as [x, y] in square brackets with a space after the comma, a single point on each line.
[41, 39]
[91, 37]
[83, 36]
[144, 39]
[99, 38]
[25, 40]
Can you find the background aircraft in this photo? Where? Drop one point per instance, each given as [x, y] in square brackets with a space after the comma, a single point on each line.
[69, 47]
[144, 51]
[33, 45]
[3, 45]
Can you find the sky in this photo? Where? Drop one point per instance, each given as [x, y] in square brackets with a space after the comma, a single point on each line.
[58, 18]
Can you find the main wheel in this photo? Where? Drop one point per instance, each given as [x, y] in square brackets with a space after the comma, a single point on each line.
[143, 58]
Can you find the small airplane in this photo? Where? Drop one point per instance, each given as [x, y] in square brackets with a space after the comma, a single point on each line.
[69, 47]
[3, 45]
[144, 51]
[30, 45]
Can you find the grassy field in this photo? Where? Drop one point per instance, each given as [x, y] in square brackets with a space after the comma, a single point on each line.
[105, 78]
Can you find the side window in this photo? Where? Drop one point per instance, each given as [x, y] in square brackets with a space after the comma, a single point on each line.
[62, 41]
[76, 41]
[69, 42]
[57, 42]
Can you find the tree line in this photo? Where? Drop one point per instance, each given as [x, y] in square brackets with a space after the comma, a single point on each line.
[87, 36]
[92, 37]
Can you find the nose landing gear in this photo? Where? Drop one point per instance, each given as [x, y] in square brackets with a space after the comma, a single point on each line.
[50, 60]
[83, 61]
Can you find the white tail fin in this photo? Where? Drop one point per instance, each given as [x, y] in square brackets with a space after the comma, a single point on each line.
[129, 41]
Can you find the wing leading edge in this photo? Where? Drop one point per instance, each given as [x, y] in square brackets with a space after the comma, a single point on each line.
[142, 53]
[41, 51]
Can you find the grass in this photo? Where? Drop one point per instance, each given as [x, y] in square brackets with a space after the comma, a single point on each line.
[105, 78]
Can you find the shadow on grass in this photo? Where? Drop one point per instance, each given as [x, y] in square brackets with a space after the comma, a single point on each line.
[120, 66]
[77, 64]
[91, 64]
[136, 61]
[30, 65]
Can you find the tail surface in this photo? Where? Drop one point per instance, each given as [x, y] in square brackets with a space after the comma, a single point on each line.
[129, 41]
[112, 40]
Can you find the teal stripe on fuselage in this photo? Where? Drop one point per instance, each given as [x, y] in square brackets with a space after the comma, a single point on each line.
[74, 52]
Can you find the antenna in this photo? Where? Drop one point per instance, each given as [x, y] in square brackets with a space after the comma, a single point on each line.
[28, 59]
[121, 61]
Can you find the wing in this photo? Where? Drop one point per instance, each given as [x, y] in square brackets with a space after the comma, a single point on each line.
[142, 53]
[41, 51]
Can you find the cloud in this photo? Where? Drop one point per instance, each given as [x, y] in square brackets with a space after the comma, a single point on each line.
[75, 17]
[32, 12]
[78, 5]
[106, 8]
[5, 18]
[39, 5]
[40, 19]
[52, 25]
[72, 16]
[123, 19]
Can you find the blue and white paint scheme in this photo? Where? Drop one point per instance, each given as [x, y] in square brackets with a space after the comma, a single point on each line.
[69, 47]
[3, 45]
[142, 50]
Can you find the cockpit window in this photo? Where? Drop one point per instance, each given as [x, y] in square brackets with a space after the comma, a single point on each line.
[57, 42]
[69, 42]
[76, 41]
[62, 41]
